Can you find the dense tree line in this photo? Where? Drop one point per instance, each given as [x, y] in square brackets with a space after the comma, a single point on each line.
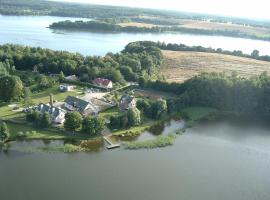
[128, 65]
[228, 93]
[104, 26]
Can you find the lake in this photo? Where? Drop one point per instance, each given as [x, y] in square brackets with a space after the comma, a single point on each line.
[222, 160]
[31, 30]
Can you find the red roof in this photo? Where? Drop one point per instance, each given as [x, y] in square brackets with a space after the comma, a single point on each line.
[102, 81]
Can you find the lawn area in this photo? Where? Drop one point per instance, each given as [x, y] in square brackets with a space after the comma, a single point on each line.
[44, 96]
[6, 112]
[110, 112]
[197, 113]
[31, 133]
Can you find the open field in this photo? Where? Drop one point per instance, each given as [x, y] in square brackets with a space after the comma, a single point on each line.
[179, 66]
[137, 24]
[225, 26]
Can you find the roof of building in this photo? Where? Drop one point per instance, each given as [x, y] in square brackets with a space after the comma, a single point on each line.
[102, 81]
[125, 101]
[72, 77]
[53, 111]
[77, 103]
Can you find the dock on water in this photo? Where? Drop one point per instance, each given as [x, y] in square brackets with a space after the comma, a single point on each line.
[112, 145]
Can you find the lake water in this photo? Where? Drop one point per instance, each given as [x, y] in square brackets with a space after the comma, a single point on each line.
[214, 160]
[29, 30]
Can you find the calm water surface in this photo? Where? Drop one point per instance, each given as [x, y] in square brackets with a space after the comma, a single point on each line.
[214, 160]
[31, 30]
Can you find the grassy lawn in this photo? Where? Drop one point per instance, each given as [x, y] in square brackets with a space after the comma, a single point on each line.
[43, 97]
[110, 112]
[197, 113]
[7, 113]
[36, 133]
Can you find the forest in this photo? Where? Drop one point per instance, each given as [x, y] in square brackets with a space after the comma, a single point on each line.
[216, 90]
[128, 65]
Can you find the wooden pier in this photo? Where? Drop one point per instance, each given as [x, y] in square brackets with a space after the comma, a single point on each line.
[111, 145]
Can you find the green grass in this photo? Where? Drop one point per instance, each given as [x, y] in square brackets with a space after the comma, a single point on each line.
[67, 148]
[44, 96]
[135, 130]
[110, 112]
[7, 113]
[198, 113]
[158, 142]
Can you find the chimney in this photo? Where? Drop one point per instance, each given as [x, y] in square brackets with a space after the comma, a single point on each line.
[51, 100]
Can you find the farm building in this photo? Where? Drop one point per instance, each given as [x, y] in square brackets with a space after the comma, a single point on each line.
[102, 82]
[80, 105]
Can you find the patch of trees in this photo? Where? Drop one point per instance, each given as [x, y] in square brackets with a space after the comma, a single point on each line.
[131, 118]
[38, 119]
[127, 65]
[11, 88]
[152, 109]
[88, 125]
[4, 132]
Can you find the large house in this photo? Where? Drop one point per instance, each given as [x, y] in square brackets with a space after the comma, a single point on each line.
[80, 105]
[103, 82]
[57, 114]
[127, 102]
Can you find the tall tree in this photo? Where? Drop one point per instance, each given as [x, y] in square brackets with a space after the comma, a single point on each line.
[4, 132]
[27, 101]
[73, 121]
[11, 87]
[134, 117]
[93, 125]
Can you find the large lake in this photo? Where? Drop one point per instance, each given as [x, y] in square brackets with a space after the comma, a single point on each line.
[214, 160]
[29, 30]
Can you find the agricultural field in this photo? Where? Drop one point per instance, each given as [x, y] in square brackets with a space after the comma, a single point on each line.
[206, 25]
[179, 66]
